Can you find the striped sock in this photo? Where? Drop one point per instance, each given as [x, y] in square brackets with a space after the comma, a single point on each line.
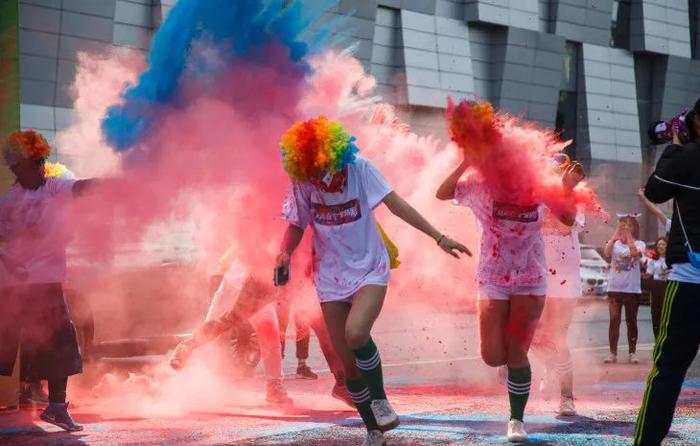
[565, 370]
[518, 391]
[370, 365]
[359, 393]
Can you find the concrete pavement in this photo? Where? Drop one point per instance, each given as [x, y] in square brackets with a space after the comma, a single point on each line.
[435, 380]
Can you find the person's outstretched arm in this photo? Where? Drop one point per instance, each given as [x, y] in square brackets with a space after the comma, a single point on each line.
[399, 207]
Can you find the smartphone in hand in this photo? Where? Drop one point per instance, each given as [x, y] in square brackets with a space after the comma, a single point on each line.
[281, 275]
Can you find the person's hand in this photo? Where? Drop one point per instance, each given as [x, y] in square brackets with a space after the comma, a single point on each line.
[283, 260]
[452, 247]
[281, 275]
[640, 192]
[676, 138]
[573, 175]
[619, 233]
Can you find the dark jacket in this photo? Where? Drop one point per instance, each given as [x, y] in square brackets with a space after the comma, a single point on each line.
[680, 165]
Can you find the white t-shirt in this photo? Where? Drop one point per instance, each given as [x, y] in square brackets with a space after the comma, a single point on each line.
[511, 248]
[625, 275]
[658, 269]
[348, 250]
[563, 253]
[33, 230]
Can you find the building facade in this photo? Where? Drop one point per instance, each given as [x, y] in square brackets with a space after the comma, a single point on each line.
[599, 71]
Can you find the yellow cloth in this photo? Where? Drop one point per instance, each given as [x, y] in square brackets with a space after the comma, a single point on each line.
[391, 248]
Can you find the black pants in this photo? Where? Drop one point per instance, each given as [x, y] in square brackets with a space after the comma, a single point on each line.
[675, 350]
[658, 290]
[35, 317]
[631, 303]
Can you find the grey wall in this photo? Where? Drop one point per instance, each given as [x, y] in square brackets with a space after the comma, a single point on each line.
[53, 32]
[510, 52]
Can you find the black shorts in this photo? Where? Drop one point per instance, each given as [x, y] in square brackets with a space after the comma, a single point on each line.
[35, 318]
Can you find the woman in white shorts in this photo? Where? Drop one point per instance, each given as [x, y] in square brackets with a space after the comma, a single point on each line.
[563, 253]
[336, 193]
[512, 278]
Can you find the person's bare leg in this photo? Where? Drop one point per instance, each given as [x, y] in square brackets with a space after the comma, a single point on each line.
[524, 315]
[336, 315]
[493, 318]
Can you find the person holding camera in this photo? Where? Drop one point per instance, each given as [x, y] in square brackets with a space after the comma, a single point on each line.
[677, 178]
[335, 193]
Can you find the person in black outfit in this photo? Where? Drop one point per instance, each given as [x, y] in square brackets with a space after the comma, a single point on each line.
[677, 177]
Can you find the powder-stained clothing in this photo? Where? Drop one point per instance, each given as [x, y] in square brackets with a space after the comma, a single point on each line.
[563, 253]
[33, 232]
[264, 321]
[512, 247]
[625, 273]
[348, 249]
[35, 318]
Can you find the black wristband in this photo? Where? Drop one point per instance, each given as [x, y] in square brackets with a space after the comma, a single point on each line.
[440, 239]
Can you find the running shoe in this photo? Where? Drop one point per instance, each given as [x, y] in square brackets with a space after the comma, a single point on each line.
[516, 431]
[503, 375]
[567, 407]
[181, 355]
[610, 359]
[374, 438]
[305, 372]
[341, 393]
[276, 393]
[57, 414]
[633, 359]
[384, 414]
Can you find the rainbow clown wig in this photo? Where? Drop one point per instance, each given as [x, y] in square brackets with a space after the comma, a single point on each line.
[25, 144]
[316, 147]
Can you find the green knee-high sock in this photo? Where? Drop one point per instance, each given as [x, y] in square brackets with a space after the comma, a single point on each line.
[361, 397]
[370, 365]
[518, 390]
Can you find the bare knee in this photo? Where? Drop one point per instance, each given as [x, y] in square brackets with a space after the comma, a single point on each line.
[517, 359]
[356, 337]
[493, 357]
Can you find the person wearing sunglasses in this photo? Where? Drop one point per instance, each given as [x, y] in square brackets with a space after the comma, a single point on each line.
[677, 178]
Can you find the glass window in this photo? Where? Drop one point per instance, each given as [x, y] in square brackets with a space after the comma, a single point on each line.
[566, 119]
[620, 29]
[694, 16]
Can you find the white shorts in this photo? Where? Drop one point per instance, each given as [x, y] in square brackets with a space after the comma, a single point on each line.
[500, 292]
[379, 278]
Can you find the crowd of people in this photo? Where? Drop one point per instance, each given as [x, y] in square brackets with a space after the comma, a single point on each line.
[334, 193]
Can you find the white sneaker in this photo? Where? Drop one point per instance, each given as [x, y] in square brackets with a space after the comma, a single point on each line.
[516, 431]
[384, 414]
[567, 407]
[374, 438]
[610, 359]
[503, 375]
[633, 358]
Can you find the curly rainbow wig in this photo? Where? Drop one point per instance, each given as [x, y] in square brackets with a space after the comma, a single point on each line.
[316, 147]
[25, 144]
